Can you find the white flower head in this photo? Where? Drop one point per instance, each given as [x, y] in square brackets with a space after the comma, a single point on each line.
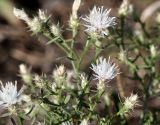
[98, 21]
[130, 102]
[9, 94]
[104, 70]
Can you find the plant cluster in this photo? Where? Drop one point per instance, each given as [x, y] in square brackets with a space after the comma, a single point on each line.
[68, 97]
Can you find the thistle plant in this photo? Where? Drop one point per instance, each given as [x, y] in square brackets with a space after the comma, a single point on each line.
[68, 96]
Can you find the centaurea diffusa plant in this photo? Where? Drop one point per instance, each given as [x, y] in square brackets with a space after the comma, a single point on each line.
[72, 96]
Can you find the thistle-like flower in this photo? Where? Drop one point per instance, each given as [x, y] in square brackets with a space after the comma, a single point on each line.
[130, 102]
[104, 70]
[98, 21]
[9, 94]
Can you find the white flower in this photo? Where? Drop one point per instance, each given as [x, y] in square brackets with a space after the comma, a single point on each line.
[131, 102]
[9, 94]
[98, 21]
[104, 70]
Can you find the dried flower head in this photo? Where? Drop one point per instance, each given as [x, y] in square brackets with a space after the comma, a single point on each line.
[130, 102]
[104, 70]
[98, 21]
[40, 81]
[34, 24]
[9, 94]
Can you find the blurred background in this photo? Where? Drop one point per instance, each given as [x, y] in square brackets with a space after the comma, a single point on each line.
[18, 45]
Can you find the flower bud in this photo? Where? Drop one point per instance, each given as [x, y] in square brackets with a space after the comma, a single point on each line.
[158, 18]
[84, 81]
[123, 56]
[25, 73]
[41, 15]
[130, 102]
[73, 23]
[153, 51]
[139, 35]
[55, 30]
[75, 8]
[100, 87]
[21, 14]
[84, 122]
[39, 80]
[125, 8]
[59, 74]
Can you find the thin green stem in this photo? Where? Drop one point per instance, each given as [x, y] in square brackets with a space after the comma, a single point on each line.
[83, 53]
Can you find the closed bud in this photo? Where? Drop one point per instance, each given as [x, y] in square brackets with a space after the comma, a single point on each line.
[59, 74]
[40, 80]
[73, 23]
[153, 51]
[25, 73]
[130, 102]
[100, 87]
[55, 30]
[123, 56]
[158, 18]
[20, 14]
[84, 81]
[125, 8]
[84, 122]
